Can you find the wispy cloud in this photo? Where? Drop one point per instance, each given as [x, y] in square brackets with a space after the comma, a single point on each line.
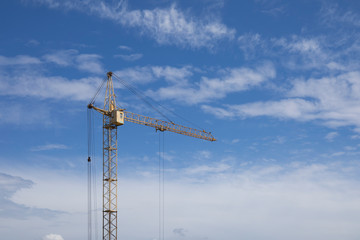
[174, 75]
[201, 155]
[71, 57]
[322, 82]
[331, 136]
[126, 48]
[136, 74]
[9, 185]
[169, 26]
[251, 44]
[130, 57]
[47, 147]
[181, 89]
[322, 199]
[325, 53]
[89, 63]
[273, 7]
[34, 84]
[32, 43]
[207, 89]
[18, 77]
[287, 108]
[332, 100]
[299, 45]
[206, 169]
[19, 60]
[293, 52]
[177, 75]
[333, 15]
[35, 113]
[179, 232]
[62, 57]
[53, 236]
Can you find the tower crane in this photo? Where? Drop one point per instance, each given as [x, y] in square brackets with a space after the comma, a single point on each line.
[112, 118]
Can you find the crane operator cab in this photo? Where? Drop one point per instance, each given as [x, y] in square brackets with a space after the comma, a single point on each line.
[117, 117]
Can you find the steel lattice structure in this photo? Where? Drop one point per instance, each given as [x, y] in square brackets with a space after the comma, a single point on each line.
[109, 167]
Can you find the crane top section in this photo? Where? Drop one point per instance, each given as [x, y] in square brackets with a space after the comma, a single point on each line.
[118, 116]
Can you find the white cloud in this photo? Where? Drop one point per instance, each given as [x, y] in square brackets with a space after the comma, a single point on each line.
[273, 8]
[179, 76]
[18, 60]
[35, 113]
[130, 57]
[180, 232]
[52, 236]
[355, 137]
[126, 48]
[300, 45]
[89, 63]
[208, 89]
[153, 73]
[201, 155]
[49, 147]
[65, 58]
[350, 148]
[169, 26]
[251, 43]
[61, 57]
[29, 82]
[71, 57]
[288, 201]
[136, 74]
[337, 154]
[321, 53]
[333, 15]
[9, 186]
[287, 108]
[304, 53]
[206, 169]
[331, 136]
[32, 43]
[333, 100]
[33, 84]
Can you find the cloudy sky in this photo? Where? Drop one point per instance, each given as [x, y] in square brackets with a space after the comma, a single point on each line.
[276, 82]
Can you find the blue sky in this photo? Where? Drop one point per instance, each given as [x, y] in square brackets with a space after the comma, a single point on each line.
[276, 82]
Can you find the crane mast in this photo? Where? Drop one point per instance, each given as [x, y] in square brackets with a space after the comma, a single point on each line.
[109, 166]
[112, 118]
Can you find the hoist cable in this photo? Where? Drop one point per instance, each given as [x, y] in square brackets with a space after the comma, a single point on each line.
[161, 180]
[142, 96]
[89, 128]
[98, 90]
[159, 187]
[163, 183]
[89, 203]
[148, 101]
[94, 190]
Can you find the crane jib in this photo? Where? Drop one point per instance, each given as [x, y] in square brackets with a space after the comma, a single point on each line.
[167, 126]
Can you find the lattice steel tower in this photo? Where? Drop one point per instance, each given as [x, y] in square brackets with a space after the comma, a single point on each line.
[109, 165]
